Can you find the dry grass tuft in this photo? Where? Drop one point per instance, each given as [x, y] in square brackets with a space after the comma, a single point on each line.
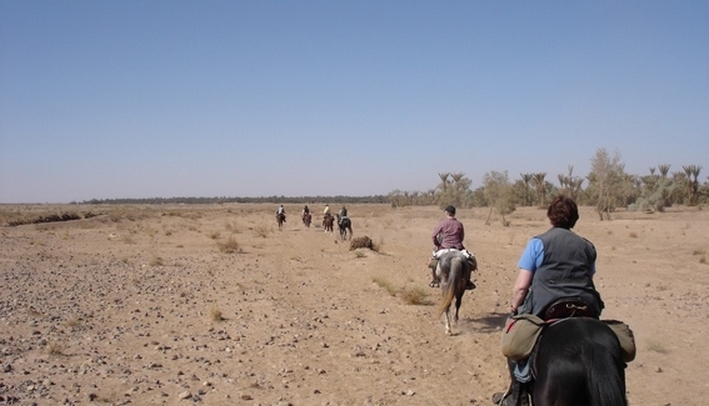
[656, 346]
[157, 261]
[414, 296]
[261, 231]
[54, 348]
[633, 234]
[215, 314]
[383, 283]
[72, 322]
[215, 235]
[230, 246]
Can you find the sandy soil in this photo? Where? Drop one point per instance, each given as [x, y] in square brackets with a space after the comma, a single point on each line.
[145, 305]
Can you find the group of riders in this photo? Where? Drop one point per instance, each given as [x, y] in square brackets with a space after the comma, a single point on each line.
[555, 267]
[305, 214]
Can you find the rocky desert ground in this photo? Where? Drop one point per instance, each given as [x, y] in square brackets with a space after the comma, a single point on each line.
[213, 305]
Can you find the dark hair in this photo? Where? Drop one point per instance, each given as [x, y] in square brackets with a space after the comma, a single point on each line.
[563, 212]
[451, 210]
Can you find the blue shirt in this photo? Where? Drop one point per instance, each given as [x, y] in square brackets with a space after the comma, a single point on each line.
[533, 255]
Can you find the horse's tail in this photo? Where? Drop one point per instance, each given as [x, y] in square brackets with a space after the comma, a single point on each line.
[605, 380]
[450, 286]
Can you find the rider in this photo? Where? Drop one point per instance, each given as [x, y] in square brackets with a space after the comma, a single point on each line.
[555, 265]
[343, 215]
[306, 210]
[280, 211]
[449, 233]
[326, 212]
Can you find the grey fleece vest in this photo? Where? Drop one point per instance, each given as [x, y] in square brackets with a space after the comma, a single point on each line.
[565, 272]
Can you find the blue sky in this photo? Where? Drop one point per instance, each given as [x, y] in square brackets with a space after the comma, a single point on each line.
[131, 99]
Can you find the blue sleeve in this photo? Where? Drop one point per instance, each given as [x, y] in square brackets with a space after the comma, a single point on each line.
[532, 256]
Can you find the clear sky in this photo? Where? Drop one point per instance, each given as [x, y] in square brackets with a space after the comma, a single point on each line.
[138, 99]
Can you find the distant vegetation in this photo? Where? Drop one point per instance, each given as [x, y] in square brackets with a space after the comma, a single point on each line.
[607, 187]
[266, 199]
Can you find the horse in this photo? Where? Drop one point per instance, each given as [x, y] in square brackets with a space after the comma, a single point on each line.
[280, 219]
[453, 271]
[345, 225]
[328, 223]
[578, 362]
[307, 218]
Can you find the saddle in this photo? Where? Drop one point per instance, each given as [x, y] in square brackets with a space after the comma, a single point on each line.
[569, 307]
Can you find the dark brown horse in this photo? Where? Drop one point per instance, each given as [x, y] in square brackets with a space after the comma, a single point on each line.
[307, 219]
[328, 223]
[280, 219]
[579, 363]
[345, 224]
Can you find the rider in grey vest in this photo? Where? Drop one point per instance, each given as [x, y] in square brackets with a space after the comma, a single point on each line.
[566, 271]
[557, 264]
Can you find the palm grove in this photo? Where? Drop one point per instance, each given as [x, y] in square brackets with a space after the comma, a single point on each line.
[607, 187]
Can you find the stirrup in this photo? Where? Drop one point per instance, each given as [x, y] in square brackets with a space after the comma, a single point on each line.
[470, 285]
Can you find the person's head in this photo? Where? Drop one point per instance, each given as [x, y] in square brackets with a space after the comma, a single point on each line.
[563, 212]
[450, 210]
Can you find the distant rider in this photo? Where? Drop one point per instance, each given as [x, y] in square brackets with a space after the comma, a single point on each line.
[343, 215]
[280, 211]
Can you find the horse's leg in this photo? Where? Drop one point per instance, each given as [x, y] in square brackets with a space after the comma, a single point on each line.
[448, 323]
[458, 302]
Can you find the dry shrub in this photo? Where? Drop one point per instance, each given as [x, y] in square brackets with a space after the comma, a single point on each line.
[362, 242]
[215, 235]
[230, 246]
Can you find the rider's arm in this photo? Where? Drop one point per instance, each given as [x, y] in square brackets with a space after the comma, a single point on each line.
[530, 260]
[524, 280]
[434, 235]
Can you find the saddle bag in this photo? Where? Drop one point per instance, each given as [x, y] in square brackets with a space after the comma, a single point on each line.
[519, 336]
[625, 337]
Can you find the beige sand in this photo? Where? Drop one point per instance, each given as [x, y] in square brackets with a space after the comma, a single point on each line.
[124, 308]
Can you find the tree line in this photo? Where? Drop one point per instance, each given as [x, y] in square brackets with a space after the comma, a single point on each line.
[607, 187]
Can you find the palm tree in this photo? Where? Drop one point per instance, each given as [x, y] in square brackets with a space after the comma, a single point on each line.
[692, 173]
[526, 179]
[541, 187]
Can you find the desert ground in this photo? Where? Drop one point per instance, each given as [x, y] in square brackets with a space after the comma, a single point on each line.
[212, 304]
